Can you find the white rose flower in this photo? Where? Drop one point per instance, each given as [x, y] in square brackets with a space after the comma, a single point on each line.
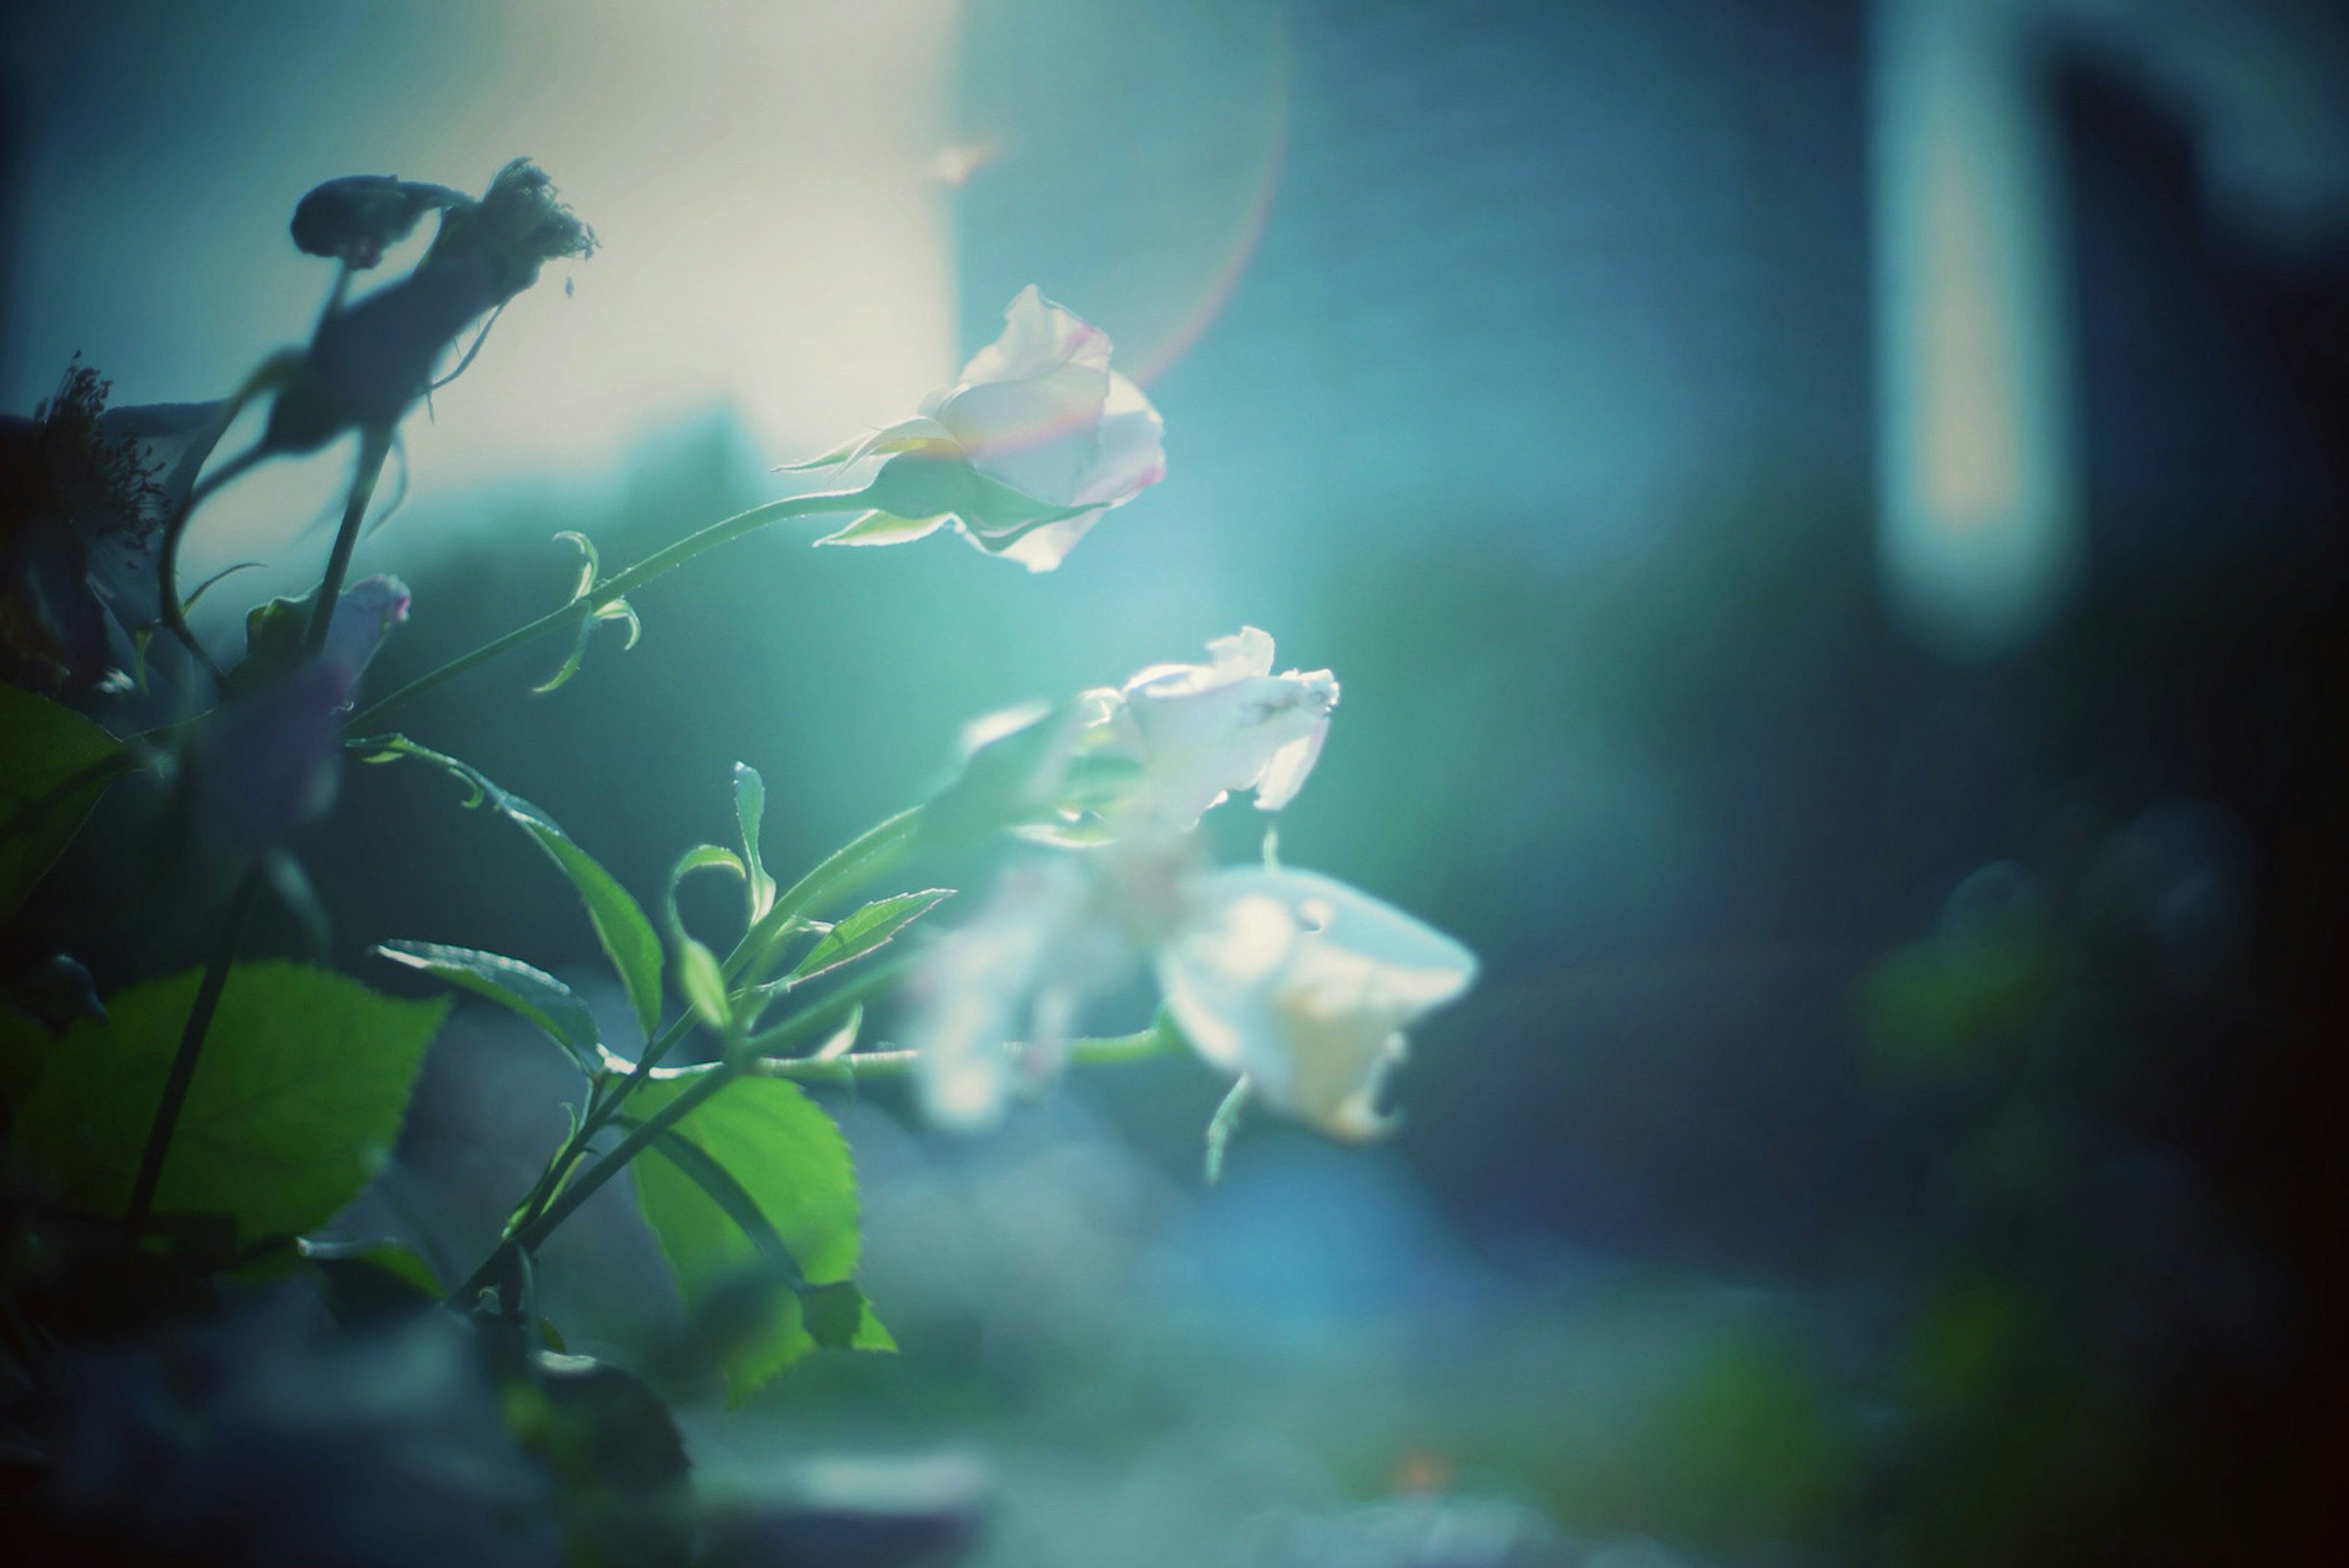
[1201, 731]
[1304, 986]
[1023, 453]
[1022, 970]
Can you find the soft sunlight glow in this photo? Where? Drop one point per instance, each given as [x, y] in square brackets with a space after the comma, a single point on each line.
[1978, 513]
[774, 242]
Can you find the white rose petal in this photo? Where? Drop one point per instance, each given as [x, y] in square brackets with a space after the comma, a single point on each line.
[1022, 970]
[1040, 417]
[1203, 730]
[1304, 987]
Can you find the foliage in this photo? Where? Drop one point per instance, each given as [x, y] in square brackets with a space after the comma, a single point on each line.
[216, 1122]
[301, 1092]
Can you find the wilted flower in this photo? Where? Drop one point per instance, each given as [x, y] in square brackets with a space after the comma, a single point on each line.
[1304, 986]
[1059, 931]
[76, 492]
[1021, 970]
[1023, 453]
[267, 762]
[370, 361]
[354, 220]
[1201, 731]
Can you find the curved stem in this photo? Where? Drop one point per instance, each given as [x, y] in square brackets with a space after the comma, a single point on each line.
[191, 1044]
[169, 610]
[658, 564]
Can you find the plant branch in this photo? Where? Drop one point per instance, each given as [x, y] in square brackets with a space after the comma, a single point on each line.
[191, 1044]
[530, 1234]
[603, 595]
[375, 446]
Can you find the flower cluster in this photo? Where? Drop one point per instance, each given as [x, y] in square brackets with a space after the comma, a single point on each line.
[1293, 981]
[1299, 984]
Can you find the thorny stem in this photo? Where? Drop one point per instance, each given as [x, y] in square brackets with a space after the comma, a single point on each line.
[192, 1044]
[611, 590]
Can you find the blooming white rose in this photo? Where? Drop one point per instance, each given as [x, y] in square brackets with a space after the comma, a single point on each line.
[1022, 970]
[1304, 987]
[1201, 731]
[1023, 453]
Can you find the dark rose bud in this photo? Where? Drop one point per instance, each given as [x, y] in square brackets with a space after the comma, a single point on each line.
[354, 220]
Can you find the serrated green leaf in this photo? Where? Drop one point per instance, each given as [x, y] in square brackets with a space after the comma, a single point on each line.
[54, 765]
[750, 815]
[627, 937]
[547, 1003]
[792, 1169]
[869, 928]
[304, 1078]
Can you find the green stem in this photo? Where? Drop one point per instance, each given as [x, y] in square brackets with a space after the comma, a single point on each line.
[529, 1234]
[375, 446]
[191, 1044]
[1107, 1050]
[612, 589]
[542, 1209]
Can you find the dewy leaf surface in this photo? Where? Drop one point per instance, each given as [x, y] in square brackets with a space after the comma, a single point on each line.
[867, 929]
[300, 1090]
[54, 765]
[786, 1155]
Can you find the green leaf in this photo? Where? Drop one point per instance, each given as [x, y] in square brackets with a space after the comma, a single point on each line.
[547, 1003]
[1220, 1128]
[867, 929]
[750, 815]
[792, 1168]
[54, 765]
[1017, 774]
[699, 977]
[884, 528]
[371, 1281]
[628, 938]
[703, 986]
[298, 1094]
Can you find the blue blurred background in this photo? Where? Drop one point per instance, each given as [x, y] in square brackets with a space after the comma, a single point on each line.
[1828, 517]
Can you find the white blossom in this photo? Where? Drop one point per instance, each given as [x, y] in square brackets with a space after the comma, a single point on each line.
[1034, 440]
[1201, 731]
[1304, 987]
